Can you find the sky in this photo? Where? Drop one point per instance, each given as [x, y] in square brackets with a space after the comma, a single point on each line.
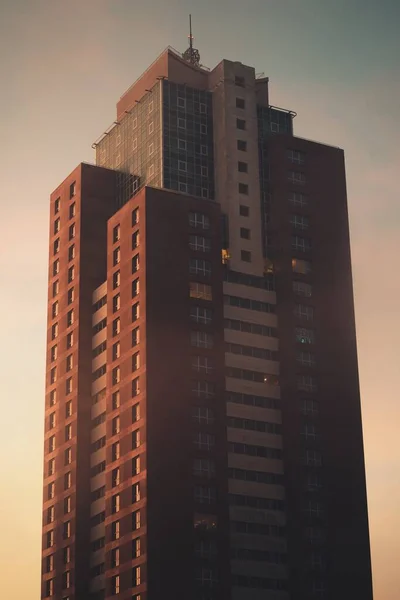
[63, 67]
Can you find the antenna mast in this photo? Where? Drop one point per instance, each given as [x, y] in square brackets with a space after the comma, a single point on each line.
[192, 55]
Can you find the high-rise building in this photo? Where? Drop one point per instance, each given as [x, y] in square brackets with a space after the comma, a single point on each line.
[203, 434]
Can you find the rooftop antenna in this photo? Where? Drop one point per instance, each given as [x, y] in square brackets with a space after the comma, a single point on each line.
[192, 55]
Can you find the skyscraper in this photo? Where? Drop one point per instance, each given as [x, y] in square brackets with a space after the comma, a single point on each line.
[203, 432]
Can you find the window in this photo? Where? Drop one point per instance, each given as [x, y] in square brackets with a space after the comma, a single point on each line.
[49, 563]
[203, 150]
[182, 165]
[115, 584]
[56, 267]
[181, 123]
[203, 467]
[135, 216]
[71, 231]
[201, 364]
[115, 503]
[69, 362]
[203, 415]
[68, 456]
[306, 383]
[295, 156]
[203, 108]
[136, 361]
[67, 480]
[299, 221]
[68, 385]
[136, 520]
[302, 289]
[242, 145]
[239, 81]
[135, 336]
[254, 425]
[116, 233]
[183, 187]
[116, 400]
[115, 451]
[297, 177]
[245, 255]
[72, 190]
[136, 548]
[242, 167]
[56, 246]
[182, 144]
[244, 233]
[57, 203]
[54, 331]
[151, 149]
[309, 407]
[134, 144]
[203, 441]
[136, 580]
[70, 317]
[136, 438]
[53, 397]
[115, 557]
[309, 431]
[135, 240]
[304, 336]
[68, 432]
[203, 128]
[135, 387]
[116, 279]
[115, 530]
[204, 494]
[151, 106]
[135, 312]
[52, 420]
[240, 103]
[72, 210]
[71, 252]
[115, 477]
[244, 211]
[115, 425]
[203, 389]
[298, 200]
[56, 287]
[99, 326]
[71, 274]
[198, 266]
[247, 327]
[57, 225]
[200, 291]
[54, 309]
[243, 188]
[301, 266]
[199, 220]
[135, 263]
[67, 505]
[116, 326]
[306, 359]
[53, 375]
[134, 123]
[116, 302]
[240, 124]
[135, 465]
[198, 314]
[135, 413]
[116, 375]
[70, 295]
[302, 311]
[116, 256]
[201, 339]
[199, 243]
[68, 408]
[51, 467]
[116, 350]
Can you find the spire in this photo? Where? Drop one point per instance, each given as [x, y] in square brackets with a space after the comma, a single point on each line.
[191, 54]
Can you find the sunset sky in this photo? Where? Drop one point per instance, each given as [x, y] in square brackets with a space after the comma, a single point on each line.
[63, 66]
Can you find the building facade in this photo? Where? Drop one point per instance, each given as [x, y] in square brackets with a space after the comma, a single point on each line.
[203, 432]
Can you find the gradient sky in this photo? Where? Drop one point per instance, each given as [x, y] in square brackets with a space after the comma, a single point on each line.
[63, 66]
